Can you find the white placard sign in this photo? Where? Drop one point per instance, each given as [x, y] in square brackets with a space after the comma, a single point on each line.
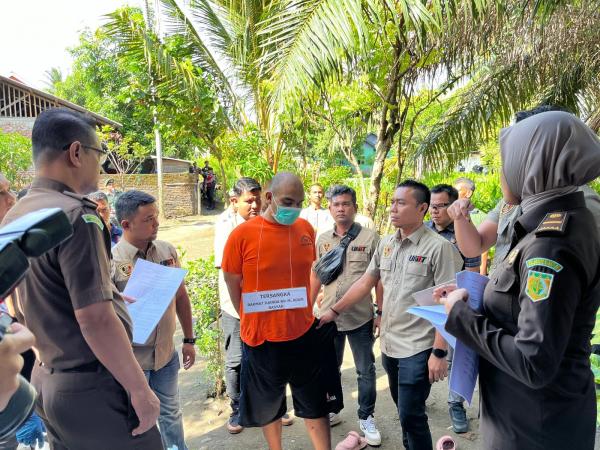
[265, 301]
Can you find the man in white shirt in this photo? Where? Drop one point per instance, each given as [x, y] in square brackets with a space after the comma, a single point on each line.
[314, 213]
[246, 201]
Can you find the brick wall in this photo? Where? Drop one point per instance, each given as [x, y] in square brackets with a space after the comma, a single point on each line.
[179, 190]
[19, 125]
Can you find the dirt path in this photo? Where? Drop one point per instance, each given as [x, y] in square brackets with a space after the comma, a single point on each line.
[205, 419]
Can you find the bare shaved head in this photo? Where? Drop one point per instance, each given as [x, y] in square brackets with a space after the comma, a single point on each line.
[285, 181]
[285, 189]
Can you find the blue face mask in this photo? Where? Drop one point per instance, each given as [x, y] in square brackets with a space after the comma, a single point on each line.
[285, 215]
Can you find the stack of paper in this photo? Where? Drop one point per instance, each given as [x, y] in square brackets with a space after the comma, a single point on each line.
[465, 364]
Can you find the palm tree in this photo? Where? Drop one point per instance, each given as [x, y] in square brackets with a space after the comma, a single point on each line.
[227, 42]
[555, 61]
[53, 77]
[399, 44]
[448, 42]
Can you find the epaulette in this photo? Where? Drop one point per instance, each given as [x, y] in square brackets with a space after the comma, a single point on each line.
[554, 224]
[82, 198]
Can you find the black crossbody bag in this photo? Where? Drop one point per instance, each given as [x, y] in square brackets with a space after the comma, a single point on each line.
[331, 264]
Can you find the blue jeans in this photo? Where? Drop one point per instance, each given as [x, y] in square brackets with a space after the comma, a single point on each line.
[233, 359]
[361, 343]
[453, 397]
[164, 384]
[410, 387]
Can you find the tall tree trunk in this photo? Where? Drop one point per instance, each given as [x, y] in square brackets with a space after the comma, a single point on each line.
[351, 158]
[388, 127]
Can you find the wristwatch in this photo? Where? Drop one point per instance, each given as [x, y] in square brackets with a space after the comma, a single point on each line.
[439, 353]
[189, 340]
[379, 312]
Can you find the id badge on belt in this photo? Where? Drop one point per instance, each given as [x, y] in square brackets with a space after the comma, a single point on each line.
[275, 300]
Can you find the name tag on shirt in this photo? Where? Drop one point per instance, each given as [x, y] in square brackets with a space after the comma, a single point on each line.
[275, 300]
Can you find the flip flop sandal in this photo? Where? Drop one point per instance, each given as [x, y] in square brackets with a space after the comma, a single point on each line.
[353, 441]
[446, 443]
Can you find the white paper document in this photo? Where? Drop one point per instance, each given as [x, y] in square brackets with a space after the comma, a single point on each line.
[436, 315]
[153, 286]
[425, 297]
[465, 364]
[265, 301]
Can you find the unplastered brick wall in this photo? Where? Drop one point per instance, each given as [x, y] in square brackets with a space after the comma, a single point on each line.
[180, 190]
[20, 125]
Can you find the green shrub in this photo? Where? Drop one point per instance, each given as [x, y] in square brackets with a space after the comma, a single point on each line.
[15, 157]
[202, 285]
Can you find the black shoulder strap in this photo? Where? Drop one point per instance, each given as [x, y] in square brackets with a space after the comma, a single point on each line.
[351, 235]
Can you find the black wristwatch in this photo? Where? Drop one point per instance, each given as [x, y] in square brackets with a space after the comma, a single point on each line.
[189, 340]
[439, 353]
[379, 312]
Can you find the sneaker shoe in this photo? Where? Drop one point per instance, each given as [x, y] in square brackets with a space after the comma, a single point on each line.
[334, 419]
[287, 420]
[372, 434]
[233, 424]
[458, 416]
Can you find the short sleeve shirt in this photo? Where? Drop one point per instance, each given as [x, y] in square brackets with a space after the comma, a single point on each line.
[505, 215]
[406, 266]
[223, 229]
[159, 348]
[320, 219]
[271, 256]
[358, 255]
[365, 222]
[449, 234]
[72, 276]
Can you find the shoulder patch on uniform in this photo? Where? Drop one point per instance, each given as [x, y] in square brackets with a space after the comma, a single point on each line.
[125, 269]
[326, 247]
[544, 262]
[539, 285]
[92, 218]
[553, 223]
[387, 251]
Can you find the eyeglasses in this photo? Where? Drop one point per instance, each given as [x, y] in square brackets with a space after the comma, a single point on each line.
[439, 206]
[103, 153]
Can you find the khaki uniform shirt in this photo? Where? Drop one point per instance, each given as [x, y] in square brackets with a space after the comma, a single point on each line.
[406, 266]
[223, 229]
[71, 276]
[158, 350]
[358, 255]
